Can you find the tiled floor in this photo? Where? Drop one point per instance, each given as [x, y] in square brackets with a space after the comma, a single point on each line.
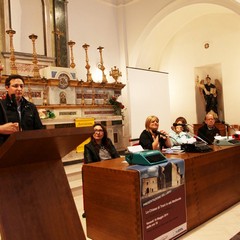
[222, 227]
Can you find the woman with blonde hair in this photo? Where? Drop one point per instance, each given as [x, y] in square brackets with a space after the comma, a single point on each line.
[153, 139]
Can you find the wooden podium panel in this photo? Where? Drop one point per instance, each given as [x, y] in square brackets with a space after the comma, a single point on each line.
[36, 201]
[112, 193]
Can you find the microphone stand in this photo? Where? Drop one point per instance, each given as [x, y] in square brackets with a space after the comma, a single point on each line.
[226, 129]
[199, 138]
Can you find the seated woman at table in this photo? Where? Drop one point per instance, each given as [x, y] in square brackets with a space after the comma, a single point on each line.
[153, 139]
[179, 132]
[100, 147]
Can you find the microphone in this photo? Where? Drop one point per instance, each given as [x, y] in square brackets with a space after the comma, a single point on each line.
[13, 100]
[223, 122]
[180, 124]
[175, 140]
[159, 133]
[199, 138]
[228, 125]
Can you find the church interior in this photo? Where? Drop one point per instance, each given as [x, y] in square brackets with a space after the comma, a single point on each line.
[96, 61]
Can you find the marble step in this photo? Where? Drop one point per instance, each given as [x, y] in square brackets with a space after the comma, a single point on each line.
[74, 175]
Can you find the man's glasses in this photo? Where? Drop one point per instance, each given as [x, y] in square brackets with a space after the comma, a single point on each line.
[98, 130]
[17, 85]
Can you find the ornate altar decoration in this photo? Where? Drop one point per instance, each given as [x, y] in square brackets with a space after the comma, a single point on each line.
[13, 67]
[36, 73]
[58, 91]
[48, 83]
[115, 73]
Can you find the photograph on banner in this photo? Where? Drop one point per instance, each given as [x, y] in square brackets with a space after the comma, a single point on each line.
[163, 199]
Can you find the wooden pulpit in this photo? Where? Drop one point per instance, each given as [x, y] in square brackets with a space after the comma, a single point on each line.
[36, 201]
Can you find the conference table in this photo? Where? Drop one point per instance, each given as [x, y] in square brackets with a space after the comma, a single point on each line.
[112, 192]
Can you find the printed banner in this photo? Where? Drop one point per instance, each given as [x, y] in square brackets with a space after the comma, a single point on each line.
[163, 199]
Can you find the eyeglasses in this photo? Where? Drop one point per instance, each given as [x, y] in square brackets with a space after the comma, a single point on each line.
[98, 130]
[17, 85]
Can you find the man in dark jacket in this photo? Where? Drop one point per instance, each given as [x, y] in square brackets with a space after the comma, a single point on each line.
[208, 131]
[16, 112]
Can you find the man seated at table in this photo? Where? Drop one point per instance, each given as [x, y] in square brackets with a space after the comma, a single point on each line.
[208, 131]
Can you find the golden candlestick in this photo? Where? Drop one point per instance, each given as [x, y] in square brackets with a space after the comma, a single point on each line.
[115, 73]
[89, 75]
[101, 66]
[71, 44]
[36, 73]
[12, 58]
[59, 34]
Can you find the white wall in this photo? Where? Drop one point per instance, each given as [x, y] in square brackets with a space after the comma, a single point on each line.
[93, 23]
[171, 39]
[186, 51]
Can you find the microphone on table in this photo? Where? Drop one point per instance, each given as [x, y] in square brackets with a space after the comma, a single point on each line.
[228, 125]
[235, 135]
[199, 138]
[175, 140]
[164, 135]
[196, 147]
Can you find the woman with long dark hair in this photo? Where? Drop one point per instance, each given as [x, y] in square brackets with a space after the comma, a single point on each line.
[100, 147]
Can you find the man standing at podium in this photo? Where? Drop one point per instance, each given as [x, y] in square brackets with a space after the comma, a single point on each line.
[16, 113]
